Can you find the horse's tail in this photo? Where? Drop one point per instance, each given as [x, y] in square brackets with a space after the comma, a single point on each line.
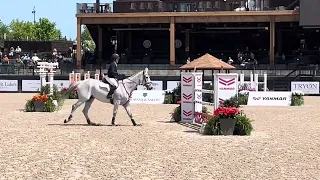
[66, 93]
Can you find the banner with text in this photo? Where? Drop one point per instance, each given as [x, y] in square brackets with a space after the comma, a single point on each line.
[34, 85]
[268, 98]
[307, 87]
[147, 97]
[8, 85]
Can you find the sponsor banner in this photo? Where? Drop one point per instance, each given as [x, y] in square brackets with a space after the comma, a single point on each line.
[34, 85]
[8, 85]
[227, 86]
[172, 85]
[61, 84]
[30, 85]
[148, 97]
[269, 98]
[157, 85]
[307, 87]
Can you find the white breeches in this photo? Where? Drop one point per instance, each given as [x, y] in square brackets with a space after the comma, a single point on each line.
[112, 81]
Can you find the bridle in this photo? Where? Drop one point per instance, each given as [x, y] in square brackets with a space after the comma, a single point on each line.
[130, 94]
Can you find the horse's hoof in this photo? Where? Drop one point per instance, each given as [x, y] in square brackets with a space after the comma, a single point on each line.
[65, 121]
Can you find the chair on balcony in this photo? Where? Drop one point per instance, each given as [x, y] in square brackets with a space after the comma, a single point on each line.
[133, 6]
[150, 6]
[201, 6]
[208, 6]
[142, 6]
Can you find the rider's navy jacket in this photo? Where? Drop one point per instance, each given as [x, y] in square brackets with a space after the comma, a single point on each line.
[112, 70]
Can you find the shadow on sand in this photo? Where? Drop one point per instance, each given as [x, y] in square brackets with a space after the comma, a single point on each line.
[91, 125]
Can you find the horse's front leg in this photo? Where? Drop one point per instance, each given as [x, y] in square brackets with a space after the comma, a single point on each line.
[115, 110]
[128, 109]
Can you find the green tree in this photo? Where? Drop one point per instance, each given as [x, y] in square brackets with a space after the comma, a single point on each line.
[87, 40]
[46, 30]
[21, 30]
[4, 31]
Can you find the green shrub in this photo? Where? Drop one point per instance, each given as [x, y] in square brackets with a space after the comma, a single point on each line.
[243, 99]
[231, 102]
[297, 100]
[168, 98]
[29, 106]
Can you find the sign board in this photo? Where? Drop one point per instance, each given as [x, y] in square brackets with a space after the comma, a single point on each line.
[147, 97]
[307, 87]
[8, 85]
[30, 85]
[269, 98]
[226, 86]
[172, 85]
[61, 84]
[34, 85]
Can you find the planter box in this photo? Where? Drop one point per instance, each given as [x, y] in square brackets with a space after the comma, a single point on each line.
[227, 126]
[38, 106]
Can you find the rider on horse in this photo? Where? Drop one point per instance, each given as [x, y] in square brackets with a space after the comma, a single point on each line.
[113, 74]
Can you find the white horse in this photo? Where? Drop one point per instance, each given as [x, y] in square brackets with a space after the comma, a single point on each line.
[91, 89]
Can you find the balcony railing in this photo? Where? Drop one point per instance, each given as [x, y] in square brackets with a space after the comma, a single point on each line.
[83, 8]
[159, 6]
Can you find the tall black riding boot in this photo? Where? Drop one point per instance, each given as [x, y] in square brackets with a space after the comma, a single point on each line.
[112, 88]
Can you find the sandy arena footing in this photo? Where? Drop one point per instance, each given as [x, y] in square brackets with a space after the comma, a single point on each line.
[284, 145]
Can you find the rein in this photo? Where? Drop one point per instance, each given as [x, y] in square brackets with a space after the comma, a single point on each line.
[129, 94]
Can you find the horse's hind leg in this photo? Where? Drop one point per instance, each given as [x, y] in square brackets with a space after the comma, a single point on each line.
[74, 108]
[86, 110]
[128, 109]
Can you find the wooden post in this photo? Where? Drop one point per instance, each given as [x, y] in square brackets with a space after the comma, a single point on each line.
[100, 44]
[271, 48]
[79, 54]
[172, 39]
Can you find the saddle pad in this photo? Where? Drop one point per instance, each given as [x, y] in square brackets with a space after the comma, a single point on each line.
[104, 85]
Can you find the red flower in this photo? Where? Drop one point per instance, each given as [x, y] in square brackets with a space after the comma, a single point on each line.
[226, 112]
[178, 102]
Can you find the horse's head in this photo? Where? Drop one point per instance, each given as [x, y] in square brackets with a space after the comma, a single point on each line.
[146, 81]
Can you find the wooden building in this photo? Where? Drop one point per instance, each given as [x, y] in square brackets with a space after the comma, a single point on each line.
[170, 31]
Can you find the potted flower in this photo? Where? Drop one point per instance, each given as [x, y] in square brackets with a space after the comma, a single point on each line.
[39, 102]
[227, 119]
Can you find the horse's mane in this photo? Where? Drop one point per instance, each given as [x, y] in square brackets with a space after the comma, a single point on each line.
[133, 76]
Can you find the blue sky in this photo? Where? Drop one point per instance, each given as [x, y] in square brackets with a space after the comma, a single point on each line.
[60, 11]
